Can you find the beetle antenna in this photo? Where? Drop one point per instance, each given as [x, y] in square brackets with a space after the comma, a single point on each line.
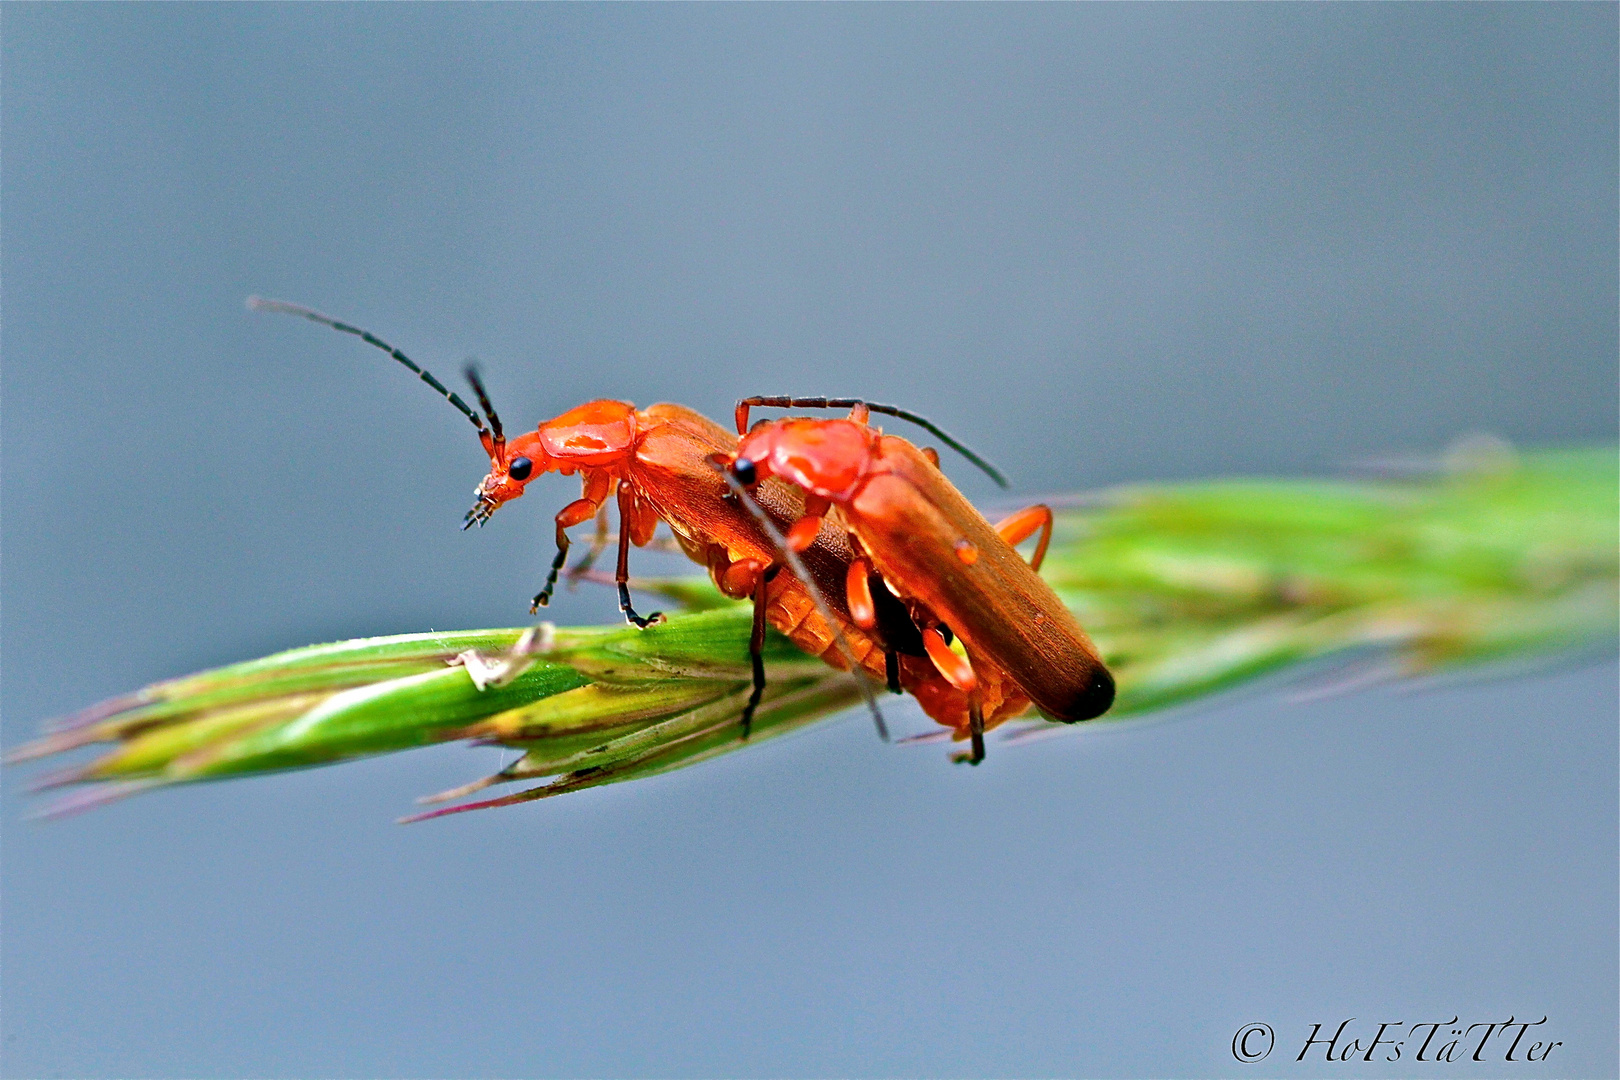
[258, 303]
[798, 568]
[888, 410]
[471, 371]
[929, 426]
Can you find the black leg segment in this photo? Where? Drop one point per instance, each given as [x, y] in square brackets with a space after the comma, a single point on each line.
[543, 597]
[622, 575]
[756, 657]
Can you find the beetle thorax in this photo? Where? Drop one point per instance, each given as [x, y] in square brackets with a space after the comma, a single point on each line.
[594, 434]
[829, 458]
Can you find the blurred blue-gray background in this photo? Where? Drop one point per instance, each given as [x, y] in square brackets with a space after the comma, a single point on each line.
[1102, 243]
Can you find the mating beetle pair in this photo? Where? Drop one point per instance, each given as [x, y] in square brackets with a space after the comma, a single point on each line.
[886, 561]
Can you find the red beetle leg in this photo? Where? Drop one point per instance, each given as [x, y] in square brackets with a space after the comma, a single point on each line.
[595, 485]
[575, 512]
[741, 578]
[1017, 528]
[956, 669]
[643, 522]
[858, 592]
[803, 533]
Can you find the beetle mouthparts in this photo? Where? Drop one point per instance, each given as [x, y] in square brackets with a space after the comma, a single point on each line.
[480, 513]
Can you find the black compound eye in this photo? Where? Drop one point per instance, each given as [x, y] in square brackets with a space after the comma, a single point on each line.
[519, 468]
[744, 471]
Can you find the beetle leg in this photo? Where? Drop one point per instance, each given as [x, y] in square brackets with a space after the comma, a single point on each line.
[976, 728]
[1017, 528]
[803, 532]
[599, 543]
[756, 656]
[643, 523]
[622, 576]
[741, 578]
[863, 613]
[575, 512]
[858, 592]
[931, 454]
[748, 577]
[955, 667]
[975, 732]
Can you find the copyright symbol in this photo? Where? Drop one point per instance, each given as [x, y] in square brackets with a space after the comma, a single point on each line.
[1253, 1042]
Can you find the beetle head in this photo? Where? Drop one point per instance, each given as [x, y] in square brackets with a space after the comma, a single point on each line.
[511, 466]
[824, 457]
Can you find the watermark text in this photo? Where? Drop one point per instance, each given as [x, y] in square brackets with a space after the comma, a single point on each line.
[1451, 1040]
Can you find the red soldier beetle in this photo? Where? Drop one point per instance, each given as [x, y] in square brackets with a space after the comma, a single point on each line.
[910, 661]
[933, 549]
[655, 462]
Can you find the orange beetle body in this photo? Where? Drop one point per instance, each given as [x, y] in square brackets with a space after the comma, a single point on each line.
[662, 469]
[936, 551]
